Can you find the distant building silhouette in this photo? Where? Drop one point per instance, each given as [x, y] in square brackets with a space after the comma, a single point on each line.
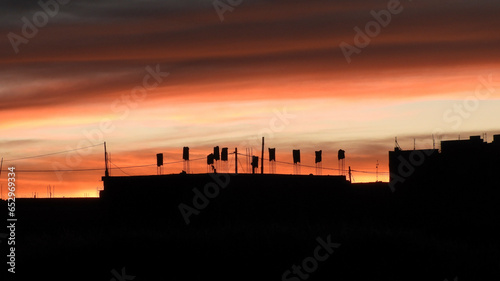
[460, 162]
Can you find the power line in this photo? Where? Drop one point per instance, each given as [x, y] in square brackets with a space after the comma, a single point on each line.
[53, 171]
[78, 170]
[309, 166]
[54, 153]
[119, 168]
[99, 169]
[149, 165]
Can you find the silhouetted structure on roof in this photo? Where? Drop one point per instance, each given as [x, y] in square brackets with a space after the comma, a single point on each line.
[159, 163]
[459, 163]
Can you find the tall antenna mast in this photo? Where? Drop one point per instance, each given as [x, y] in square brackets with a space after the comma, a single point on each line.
[377, 170]
[236, 160]
[396, 144]
[262, 158]
[106, 172]
[251, 169]
[1, 165]
[1, 186]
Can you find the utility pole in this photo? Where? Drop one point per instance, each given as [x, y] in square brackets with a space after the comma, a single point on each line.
[350, 174]
[1, 186]
[236, 160]
[262, 158]
[106, 172]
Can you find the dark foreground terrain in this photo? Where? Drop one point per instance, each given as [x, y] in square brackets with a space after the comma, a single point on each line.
[374, 234]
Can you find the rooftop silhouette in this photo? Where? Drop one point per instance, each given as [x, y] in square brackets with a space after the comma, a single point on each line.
[458, 162]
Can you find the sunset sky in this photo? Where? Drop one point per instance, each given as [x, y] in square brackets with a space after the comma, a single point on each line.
[268, 68]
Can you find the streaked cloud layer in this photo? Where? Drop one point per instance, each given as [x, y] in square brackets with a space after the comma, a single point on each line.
[227, 79]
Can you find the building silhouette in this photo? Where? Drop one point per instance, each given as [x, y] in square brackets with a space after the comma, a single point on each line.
[457, 164]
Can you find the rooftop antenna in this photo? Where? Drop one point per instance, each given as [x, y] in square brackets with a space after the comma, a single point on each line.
[210, 162]
[262, 158]
[106, 172]
[236, 160]
[318, 162]
[255, 163]
[216, 157]
[272, 160]
[247, 155]
[224, 158]
[185, 157]
[433, 142]
[377, 170]
[396, 144]
[1, 186]
[341, 158]
[159, 163]
[250, 169]
[413, 143]
[296, 161]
